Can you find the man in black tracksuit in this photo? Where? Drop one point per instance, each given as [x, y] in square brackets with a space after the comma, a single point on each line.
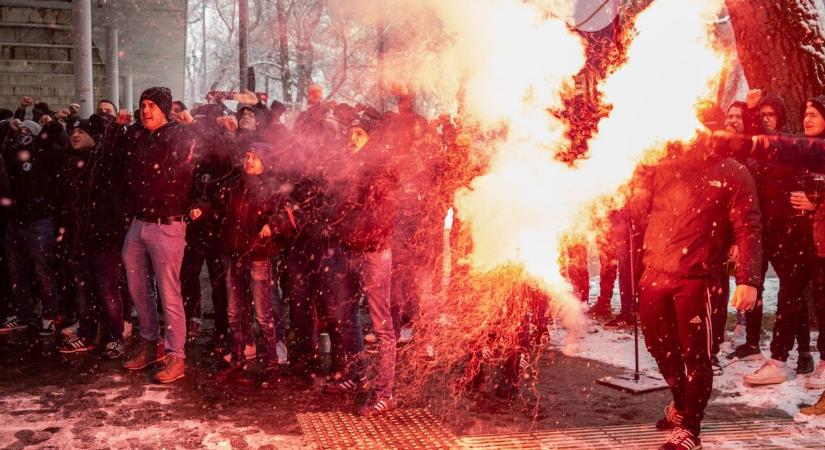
[695, 200]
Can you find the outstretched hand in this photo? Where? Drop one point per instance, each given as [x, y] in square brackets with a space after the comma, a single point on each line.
[246, 97]
[124, 117]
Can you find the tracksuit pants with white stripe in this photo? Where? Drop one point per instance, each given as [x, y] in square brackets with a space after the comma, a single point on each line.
[675, 317]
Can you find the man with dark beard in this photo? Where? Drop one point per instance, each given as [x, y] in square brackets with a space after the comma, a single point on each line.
[696, 201]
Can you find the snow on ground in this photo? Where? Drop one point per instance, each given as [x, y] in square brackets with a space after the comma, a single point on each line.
[34, 420]
[769, 297]
[616, 348]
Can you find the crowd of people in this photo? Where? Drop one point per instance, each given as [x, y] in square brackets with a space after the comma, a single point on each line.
[298, 226]
[113, 213]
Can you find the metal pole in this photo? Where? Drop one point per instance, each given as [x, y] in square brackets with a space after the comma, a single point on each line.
[83, 81]
[634, 296]
[243, 48]
[130, 99]
[112, 66]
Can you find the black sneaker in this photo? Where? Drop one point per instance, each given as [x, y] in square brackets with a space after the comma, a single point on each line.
[344, 387]
[75, 344]
[619, 323]
[717, 367]
[12, 325]
[746, 352]
[378, 406]
[672, 419]
[682, 439]
[601, 310]
[805, 363]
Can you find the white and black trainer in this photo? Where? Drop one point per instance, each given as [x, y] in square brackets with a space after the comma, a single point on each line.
[682, 439]
[12, 325]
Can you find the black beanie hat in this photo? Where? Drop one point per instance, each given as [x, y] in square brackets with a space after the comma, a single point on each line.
[243, 108]
[161, 96]
[93, 126]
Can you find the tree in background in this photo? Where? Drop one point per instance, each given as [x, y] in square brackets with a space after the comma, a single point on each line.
[781, 46]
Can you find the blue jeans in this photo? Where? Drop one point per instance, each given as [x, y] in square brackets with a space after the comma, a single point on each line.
[98, 294]
[248, 284]
[375, 270]
[157, 250]
[30, 248]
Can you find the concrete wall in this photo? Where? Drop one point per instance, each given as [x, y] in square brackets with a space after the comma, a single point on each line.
[152, 41]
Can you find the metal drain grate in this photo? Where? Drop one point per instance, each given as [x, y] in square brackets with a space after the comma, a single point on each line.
[402, 429]
[740, 434]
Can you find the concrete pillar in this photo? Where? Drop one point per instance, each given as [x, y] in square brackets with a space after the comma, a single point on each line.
[83, 80]
[129, 103]
[112, 67]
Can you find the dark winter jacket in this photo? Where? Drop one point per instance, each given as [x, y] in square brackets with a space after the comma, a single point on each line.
[248, 203]
[800, 153]
[698, 205]
[368, 199]
[32, 163]
[159, 169]
[213, 167]
[774, 183]
[92, 198]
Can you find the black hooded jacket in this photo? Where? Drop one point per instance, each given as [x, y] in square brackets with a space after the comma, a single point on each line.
[366, 191]
[248, 203]
[92, 198]
[803, 154]
[697, 205]
[32, 163]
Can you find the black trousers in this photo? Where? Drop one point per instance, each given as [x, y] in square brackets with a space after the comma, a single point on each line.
[719, 296]
[790, 249]
[675, 317]
[819, 303]
[304, 266]
[196, 253]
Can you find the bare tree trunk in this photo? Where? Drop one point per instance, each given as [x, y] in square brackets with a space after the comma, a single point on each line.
[203, 44]
[243, 45]
[306, 27]
[283, 56]
[781, 44]
[381, 29]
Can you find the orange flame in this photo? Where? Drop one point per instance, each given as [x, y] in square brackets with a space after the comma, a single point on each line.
[518, 211]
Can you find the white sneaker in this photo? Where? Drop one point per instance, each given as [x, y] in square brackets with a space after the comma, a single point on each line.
[249, 351]
[816, 380]
[47, 327]
[281, 352]
[772, 372]
[127, 329]
[739, 334]
[70, 330]
[406, 335]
